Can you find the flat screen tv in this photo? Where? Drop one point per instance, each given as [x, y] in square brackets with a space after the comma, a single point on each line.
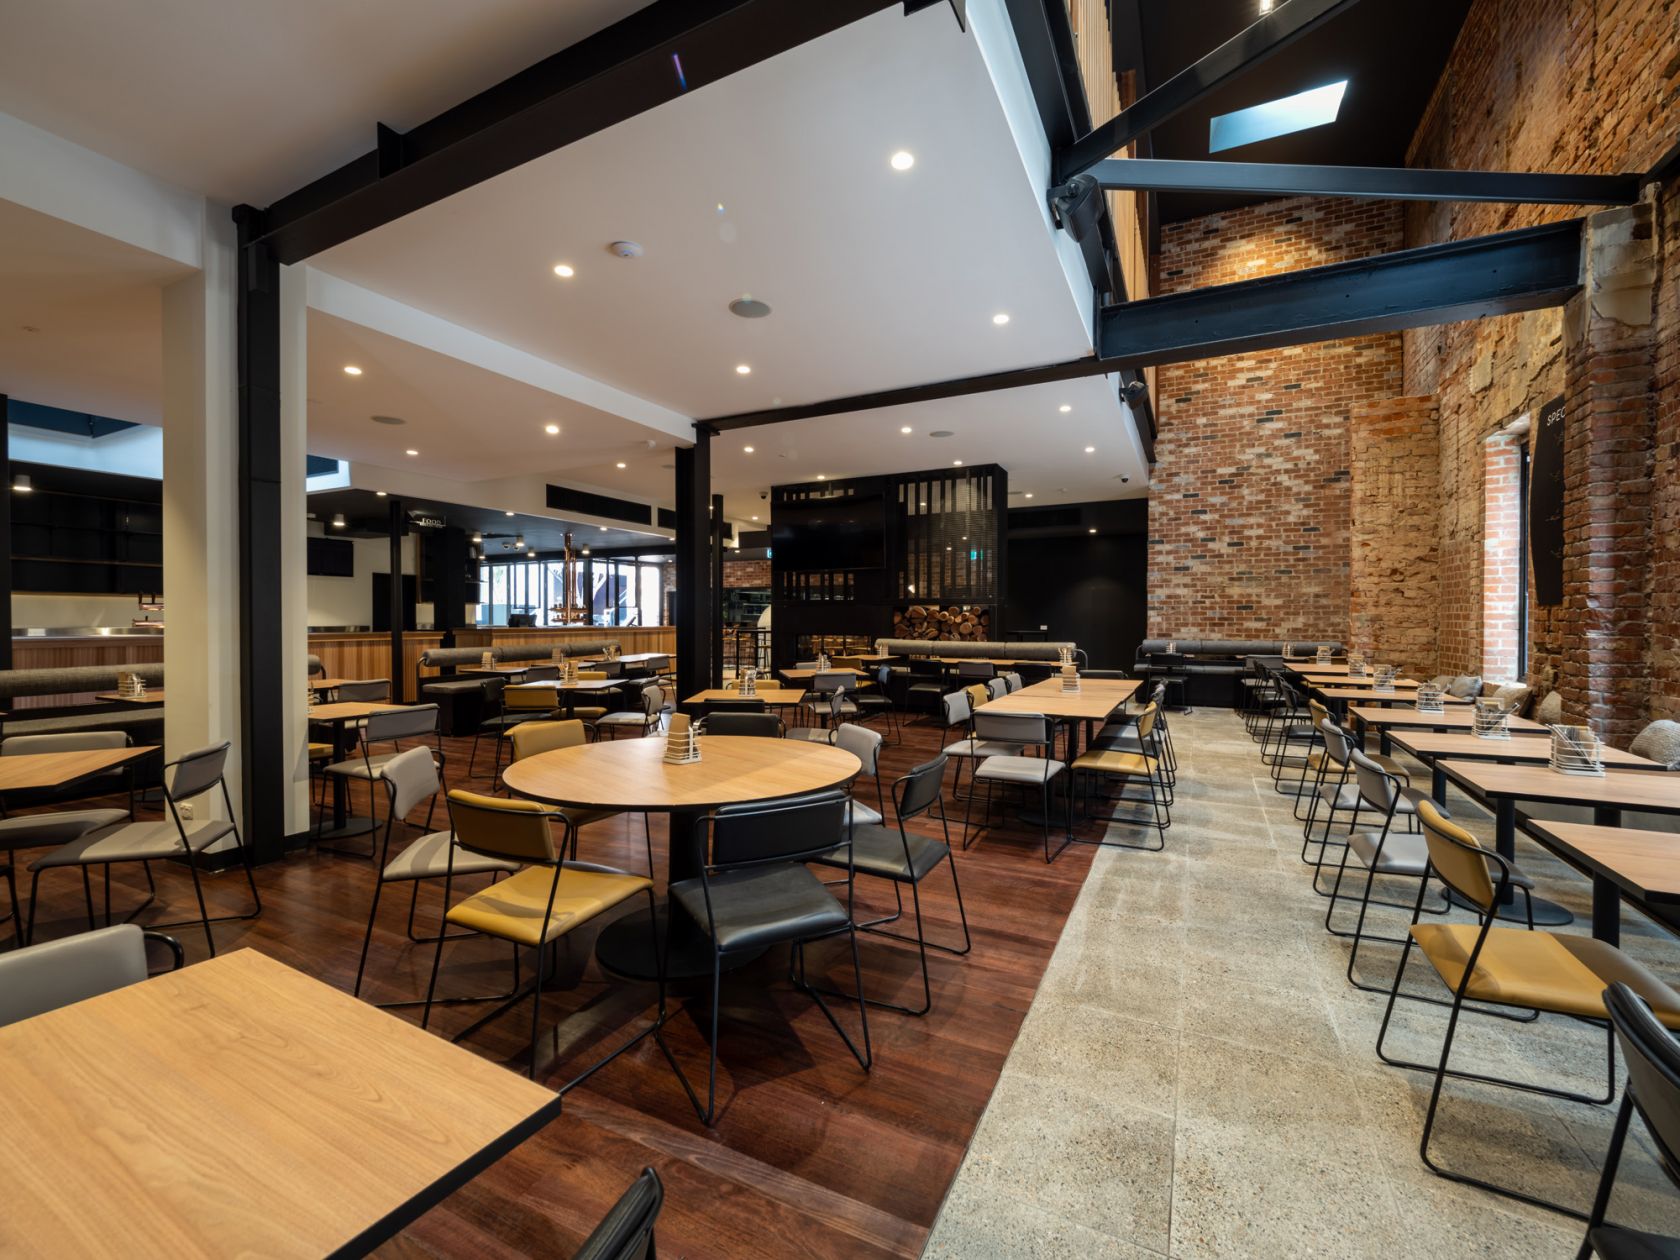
[847, 533]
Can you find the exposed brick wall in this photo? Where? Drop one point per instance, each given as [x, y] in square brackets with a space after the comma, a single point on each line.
[1501, 554]
[742, 573]
[1249, 511]
[1560, 85]
[1394, 565]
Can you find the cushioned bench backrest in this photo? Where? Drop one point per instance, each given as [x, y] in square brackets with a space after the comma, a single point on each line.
[961, 648]
[72, 680]
[545, 651]
[444, 658]
[1234, 647]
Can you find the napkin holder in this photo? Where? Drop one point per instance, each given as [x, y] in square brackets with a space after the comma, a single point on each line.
[1070, 678]
[1492, 721]
[1323, 656]
[1576, 750]
[1431, 698]
[682, 741]
[569, 672]
[1382, 677]
[748, 681]
[487, 660]
[1356, 665]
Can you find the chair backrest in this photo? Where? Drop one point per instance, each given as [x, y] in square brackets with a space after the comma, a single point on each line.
[1015, 681]
[1653, 1067]
[516, 830]
[997, 687]
[70, 741]
[1318, 711]
[494, 685]
[833, 680]
[956, 708]
[542, 673]
[794, 829]
[606, 669]
[916, 791]
[1012, 728]
[405, 723]
[593, 675]
[975, 669]
[410, 777]
[653, 700]
[762, 725]
[1377, 787]
[56, 973]
[1146, 720]
[862, 743]
[748, 705]
[804, 664]
[1458, 861]
[530, 738]
[626, 1231]
[531, 699]
[365, 689]
[313, 664]
[1337, 742]
[977, 695]
[196, 772]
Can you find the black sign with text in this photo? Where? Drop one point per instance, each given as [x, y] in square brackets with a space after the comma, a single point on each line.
[1545, 505]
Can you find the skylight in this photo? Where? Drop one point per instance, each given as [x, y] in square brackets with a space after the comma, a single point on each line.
[1312, 108]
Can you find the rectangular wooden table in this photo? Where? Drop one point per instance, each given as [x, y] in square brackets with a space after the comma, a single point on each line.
[1463, 718]
[239, 1107]
[806, 675]
[1370, 695]
[1430, 747]
[1502, 786]
[1643, 866]
[1342, 680]
[1093, 702]
[150, 697]
[63, 769]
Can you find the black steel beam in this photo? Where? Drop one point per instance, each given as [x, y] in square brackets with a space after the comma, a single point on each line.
[1435, 284]
[1249, 47]
[714, 612]
[5, 536]
[1385, 183]
[694, 570]
[646, 59]
[264, 773]
[396, 607]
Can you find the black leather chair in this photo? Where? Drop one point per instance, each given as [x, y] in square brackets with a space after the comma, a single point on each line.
[1169, 668]
[755, 890]
[626, 1231]
[894, 854]
[763, 725]
[1653, 1089]
[879, 701]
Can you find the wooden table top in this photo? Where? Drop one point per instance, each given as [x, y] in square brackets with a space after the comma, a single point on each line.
[805, 675]
[1462, 718]
[632, 773]
[327, 684]
[151, 697]
[1404, 695]
[1475, 748]
[1342, 680]
[56, 769]
[1095, 699]
[349, 710]
[238, 1107]
[1644, 863]
[582, 684]
[629, 658]
[1620, 789]
[526, 668]
[770, 695]
[877, 658]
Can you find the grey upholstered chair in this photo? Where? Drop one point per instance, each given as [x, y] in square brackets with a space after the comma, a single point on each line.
[45, 977]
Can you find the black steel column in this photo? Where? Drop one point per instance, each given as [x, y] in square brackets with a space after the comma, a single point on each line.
[262, 753]
[715, 612]
[693, 598]
[5, 534]
[394, 601]
[589, 591]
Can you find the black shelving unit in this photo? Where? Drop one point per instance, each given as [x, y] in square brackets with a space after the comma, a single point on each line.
[83, 533]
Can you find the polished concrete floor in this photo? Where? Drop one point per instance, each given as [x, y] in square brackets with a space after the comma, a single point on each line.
[1196, 1076]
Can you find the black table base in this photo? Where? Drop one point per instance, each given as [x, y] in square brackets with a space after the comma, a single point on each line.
[625, 947]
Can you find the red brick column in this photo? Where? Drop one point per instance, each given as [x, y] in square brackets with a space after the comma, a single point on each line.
[1394, 558]
[1501, 554]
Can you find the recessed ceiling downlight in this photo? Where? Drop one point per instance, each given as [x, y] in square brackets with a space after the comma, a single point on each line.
[553, 430]
[350, 369]
[564, 270]
[903, 160]
[749, 307]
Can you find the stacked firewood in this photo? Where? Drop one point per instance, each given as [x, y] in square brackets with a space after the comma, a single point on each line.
[933, 621]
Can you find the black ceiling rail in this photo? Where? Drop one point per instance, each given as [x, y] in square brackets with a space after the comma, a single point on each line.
[1386, 183]
[652, 56]
[1253, 44]
[1434, 284]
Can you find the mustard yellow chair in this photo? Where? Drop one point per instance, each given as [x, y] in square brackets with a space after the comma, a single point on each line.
[588, 712]
[1523, 968]
[521, 704]
[1133, 766]
[530, 738]
[536, 908]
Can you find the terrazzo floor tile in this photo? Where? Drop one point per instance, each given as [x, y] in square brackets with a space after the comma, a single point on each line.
[1198, 1078]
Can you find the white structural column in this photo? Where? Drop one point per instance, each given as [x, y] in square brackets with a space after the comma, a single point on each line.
[200, 510]
[294, 498]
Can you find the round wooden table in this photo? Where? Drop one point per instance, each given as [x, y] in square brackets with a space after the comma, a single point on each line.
[632, 775]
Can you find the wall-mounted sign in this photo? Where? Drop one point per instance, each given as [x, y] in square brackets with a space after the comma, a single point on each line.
[425, 520]
[1545, 505]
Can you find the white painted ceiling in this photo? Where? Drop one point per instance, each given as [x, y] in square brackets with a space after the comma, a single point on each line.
[243, 100]
[81, 318]
[877, 278]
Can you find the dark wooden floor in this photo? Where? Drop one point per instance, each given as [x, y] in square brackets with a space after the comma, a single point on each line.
[810, 1156]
